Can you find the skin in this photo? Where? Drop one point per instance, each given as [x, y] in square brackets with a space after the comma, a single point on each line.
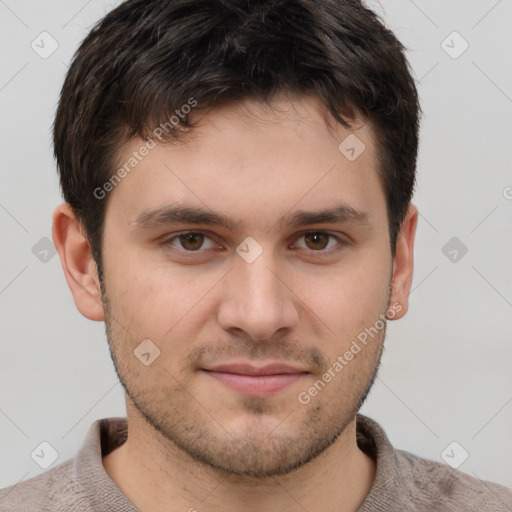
[193, 442]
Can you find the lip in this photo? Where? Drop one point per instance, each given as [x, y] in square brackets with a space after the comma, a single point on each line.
[249, 369]
[255, 381]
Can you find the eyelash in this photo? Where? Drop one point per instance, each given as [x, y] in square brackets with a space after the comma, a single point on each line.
[341, 242]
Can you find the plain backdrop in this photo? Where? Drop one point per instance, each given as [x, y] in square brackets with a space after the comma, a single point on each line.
[446, 373]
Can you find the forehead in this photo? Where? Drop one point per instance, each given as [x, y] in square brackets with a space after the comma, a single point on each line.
[254, 158]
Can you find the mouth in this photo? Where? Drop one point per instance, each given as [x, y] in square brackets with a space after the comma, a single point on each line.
[251, 380]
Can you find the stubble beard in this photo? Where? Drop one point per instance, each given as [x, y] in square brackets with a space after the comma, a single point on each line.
[186, 430]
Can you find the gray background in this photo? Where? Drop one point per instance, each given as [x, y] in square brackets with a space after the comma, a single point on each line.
[446, 371]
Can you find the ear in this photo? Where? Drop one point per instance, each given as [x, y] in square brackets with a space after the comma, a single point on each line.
[403, 264]
[79, 267]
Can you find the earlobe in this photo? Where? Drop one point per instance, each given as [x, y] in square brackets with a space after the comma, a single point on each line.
[403, 264]
[80, 269]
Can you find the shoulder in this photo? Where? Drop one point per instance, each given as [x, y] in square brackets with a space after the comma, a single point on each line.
[446, 489]
[413, 483]
[56, 490]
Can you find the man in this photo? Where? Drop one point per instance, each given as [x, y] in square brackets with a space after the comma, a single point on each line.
[238, 180]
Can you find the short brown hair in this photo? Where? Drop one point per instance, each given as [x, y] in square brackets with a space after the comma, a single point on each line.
[146, 58]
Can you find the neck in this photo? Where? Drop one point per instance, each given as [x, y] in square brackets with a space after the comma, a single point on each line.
[156, 476]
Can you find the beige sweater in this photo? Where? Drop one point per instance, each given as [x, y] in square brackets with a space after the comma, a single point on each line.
[403, 481]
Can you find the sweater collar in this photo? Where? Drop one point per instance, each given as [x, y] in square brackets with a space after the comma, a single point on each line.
[108, 433]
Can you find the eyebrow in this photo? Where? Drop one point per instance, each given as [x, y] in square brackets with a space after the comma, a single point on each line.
[171, 214]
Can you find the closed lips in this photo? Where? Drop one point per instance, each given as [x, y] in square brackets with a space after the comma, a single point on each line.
[245, 369]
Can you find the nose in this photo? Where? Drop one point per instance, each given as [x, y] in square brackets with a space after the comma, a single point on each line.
[257, 298]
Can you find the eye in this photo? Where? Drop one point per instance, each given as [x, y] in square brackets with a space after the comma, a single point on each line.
[318, 241]
[194, 241]
[189, 241]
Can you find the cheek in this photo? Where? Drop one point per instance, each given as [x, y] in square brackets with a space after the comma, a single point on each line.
[349, 292]
[346, 305]
[161, 300]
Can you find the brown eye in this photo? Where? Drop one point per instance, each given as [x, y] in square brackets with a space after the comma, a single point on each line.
[317, 240]
[189, 241]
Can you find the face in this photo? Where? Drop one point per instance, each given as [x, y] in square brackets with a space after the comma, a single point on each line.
[254, 319]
